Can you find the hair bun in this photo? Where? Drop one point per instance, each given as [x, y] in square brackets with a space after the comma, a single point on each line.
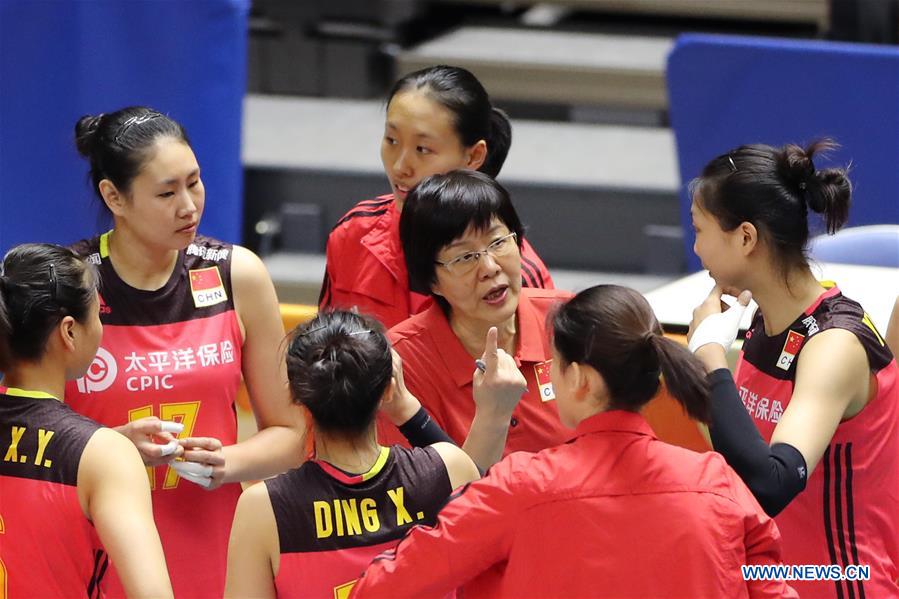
[86, 133]
[796, 167]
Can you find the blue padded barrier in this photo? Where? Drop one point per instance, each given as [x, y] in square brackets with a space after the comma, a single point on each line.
[728, 90]
[874, 245]
[61, 60]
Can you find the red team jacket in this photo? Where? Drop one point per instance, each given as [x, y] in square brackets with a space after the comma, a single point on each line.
[174, 353]
[438, 371]
[613, 513]
[366, 267]
[849, 510]
[331, 524]
[48, 548]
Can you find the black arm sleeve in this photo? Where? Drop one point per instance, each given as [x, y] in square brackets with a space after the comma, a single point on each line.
[421, 430]
[775, 474]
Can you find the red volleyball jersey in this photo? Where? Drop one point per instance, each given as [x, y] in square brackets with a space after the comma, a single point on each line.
[366, 267]
[48, 548]
[849, 510]
[174, 353]
[332, 524]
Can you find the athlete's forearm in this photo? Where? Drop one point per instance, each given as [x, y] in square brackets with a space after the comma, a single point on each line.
[774, 474]
[269, 452]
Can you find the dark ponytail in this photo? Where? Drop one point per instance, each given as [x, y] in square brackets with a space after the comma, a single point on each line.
[613, 330]
[773, 188]
[499, 140]
[119, 143]
[40, 284]
[339, 365]
[475, 118]
[684, 376]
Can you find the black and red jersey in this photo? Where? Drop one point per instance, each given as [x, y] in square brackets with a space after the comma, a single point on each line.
[48, 548]
[849, 510]
[331, 524]
[174, 353]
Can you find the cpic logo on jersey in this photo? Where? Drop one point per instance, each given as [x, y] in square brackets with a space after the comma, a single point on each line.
[100, 374]
[206, 286]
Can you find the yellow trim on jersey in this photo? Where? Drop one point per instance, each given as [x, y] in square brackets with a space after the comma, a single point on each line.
[378, 465]
[866, 320]
[16, 392]
[827, 284]
[104, 244]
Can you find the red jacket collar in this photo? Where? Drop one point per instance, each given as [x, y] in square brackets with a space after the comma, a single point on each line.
[531, 339]
[383, 241]
[614, 421]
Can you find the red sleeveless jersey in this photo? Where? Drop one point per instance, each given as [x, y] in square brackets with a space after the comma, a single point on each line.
[48, 548]
[332, 524]
[849, 510]
[174, 353]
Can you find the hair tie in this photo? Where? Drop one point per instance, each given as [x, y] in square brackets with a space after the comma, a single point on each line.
[802, 185]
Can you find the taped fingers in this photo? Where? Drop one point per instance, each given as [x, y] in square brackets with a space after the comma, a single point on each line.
[169, 448]
[203, 481]
[166, 426]
[193, 469]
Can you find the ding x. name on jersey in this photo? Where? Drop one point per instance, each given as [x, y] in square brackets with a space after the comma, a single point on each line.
[48, 548]
[332, 524]
[849, 510]
[173, 353]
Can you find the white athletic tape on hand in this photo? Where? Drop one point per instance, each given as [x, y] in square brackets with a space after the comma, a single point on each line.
[169, 448]
[167, 426]
[203, 481]
[718, 328]
[193, 468]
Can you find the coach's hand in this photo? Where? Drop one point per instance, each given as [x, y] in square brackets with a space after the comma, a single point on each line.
[204, 462]
[154, 439]
[500, 386]
[399, 405]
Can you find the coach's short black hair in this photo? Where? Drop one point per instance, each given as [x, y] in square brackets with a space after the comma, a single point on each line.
[440, 209]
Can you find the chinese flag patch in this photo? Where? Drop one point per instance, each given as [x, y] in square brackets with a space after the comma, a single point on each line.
[206, 286]
[544, 383]
[791, 348]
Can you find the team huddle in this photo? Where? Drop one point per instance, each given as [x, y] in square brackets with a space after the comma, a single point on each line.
[448, 422]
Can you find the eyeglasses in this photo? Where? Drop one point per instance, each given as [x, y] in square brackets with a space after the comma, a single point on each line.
[465, 263]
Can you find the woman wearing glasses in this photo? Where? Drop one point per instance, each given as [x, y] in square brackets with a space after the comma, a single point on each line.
[462, 241]
[438, 119]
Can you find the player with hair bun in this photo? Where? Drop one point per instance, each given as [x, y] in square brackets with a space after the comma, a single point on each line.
[311, 531]
[810, 420]
[186, 317]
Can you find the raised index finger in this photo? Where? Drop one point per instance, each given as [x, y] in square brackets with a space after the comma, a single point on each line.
[490, 357]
